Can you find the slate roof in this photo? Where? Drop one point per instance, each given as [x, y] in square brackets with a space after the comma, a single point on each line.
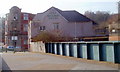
[73, 16]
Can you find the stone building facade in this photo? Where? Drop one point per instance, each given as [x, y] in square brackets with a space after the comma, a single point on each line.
[114, 32]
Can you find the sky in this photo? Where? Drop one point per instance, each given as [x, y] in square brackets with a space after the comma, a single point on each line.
[38, 6]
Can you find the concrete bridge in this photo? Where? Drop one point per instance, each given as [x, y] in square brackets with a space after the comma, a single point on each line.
[46, 61]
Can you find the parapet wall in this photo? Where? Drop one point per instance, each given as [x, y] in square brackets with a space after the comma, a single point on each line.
[101, 51]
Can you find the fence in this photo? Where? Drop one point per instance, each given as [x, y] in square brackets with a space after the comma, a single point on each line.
[101, 51]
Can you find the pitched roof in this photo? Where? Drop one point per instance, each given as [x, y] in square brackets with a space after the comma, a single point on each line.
[73, 16]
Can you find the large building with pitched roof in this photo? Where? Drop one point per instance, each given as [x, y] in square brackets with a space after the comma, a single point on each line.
[70, 24]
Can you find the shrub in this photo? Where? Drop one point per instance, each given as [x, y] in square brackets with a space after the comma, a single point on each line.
[45, 37]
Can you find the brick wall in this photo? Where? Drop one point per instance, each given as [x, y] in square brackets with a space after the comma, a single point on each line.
[114, 38]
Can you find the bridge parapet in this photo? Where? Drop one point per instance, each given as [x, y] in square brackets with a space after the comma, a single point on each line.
[100, 50]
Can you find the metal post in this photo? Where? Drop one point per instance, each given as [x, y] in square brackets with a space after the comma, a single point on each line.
[75, 30]
[6, 49]
[2, 48]
[14, 46]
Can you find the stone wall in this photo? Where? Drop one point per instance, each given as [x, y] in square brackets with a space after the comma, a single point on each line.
[37, 47]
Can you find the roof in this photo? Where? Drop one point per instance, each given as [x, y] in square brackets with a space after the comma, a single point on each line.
[15, 7]
[73, 16]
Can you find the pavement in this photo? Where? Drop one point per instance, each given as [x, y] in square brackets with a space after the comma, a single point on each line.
[42, 61]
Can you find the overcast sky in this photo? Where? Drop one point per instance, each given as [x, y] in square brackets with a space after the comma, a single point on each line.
[38, 6]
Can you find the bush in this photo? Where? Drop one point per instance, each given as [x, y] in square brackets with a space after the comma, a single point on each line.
[45, 37]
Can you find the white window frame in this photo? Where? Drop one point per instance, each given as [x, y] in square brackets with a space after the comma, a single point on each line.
[25, 16]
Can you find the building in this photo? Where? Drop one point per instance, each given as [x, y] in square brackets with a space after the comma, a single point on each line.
[114, 31]
[2, 30]
[16, 28]
[70, 24]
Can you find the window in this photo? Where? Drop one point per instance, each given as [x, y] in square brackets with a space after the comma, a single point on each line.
[25, 42]
[15, 17]
[56, 26]
[42, 28]
[25, 17]
[25, 28]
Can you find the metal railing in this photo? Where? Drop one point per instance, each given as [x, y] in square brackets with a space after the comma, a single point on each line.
[101, 51]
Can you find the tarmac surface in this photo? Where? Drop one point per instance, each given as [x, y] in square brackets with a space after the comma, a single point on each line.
[42, 61]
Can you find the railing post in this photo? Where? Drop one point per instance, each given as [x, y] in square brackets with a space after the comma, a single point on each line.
[100, 51]
[117, 52]
[67, 49]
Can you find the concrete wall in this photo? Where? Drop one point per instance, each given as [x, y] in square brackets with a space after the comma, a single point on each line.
[114, 38]
[37, 47]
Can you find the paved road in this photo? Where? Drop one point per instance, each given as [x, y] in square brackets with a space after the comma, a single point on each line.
[38, 61]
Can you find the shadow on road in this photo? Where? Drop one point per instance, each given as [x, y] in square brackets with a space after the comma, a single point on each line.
[5, 67]
[119, 67]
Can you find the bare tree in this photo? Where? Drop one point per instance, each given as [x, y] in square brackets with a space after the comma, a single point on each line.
[99, 16]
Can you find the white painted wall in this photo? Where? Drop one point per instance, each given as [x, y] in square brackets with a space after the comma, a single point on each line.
[37, 47]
